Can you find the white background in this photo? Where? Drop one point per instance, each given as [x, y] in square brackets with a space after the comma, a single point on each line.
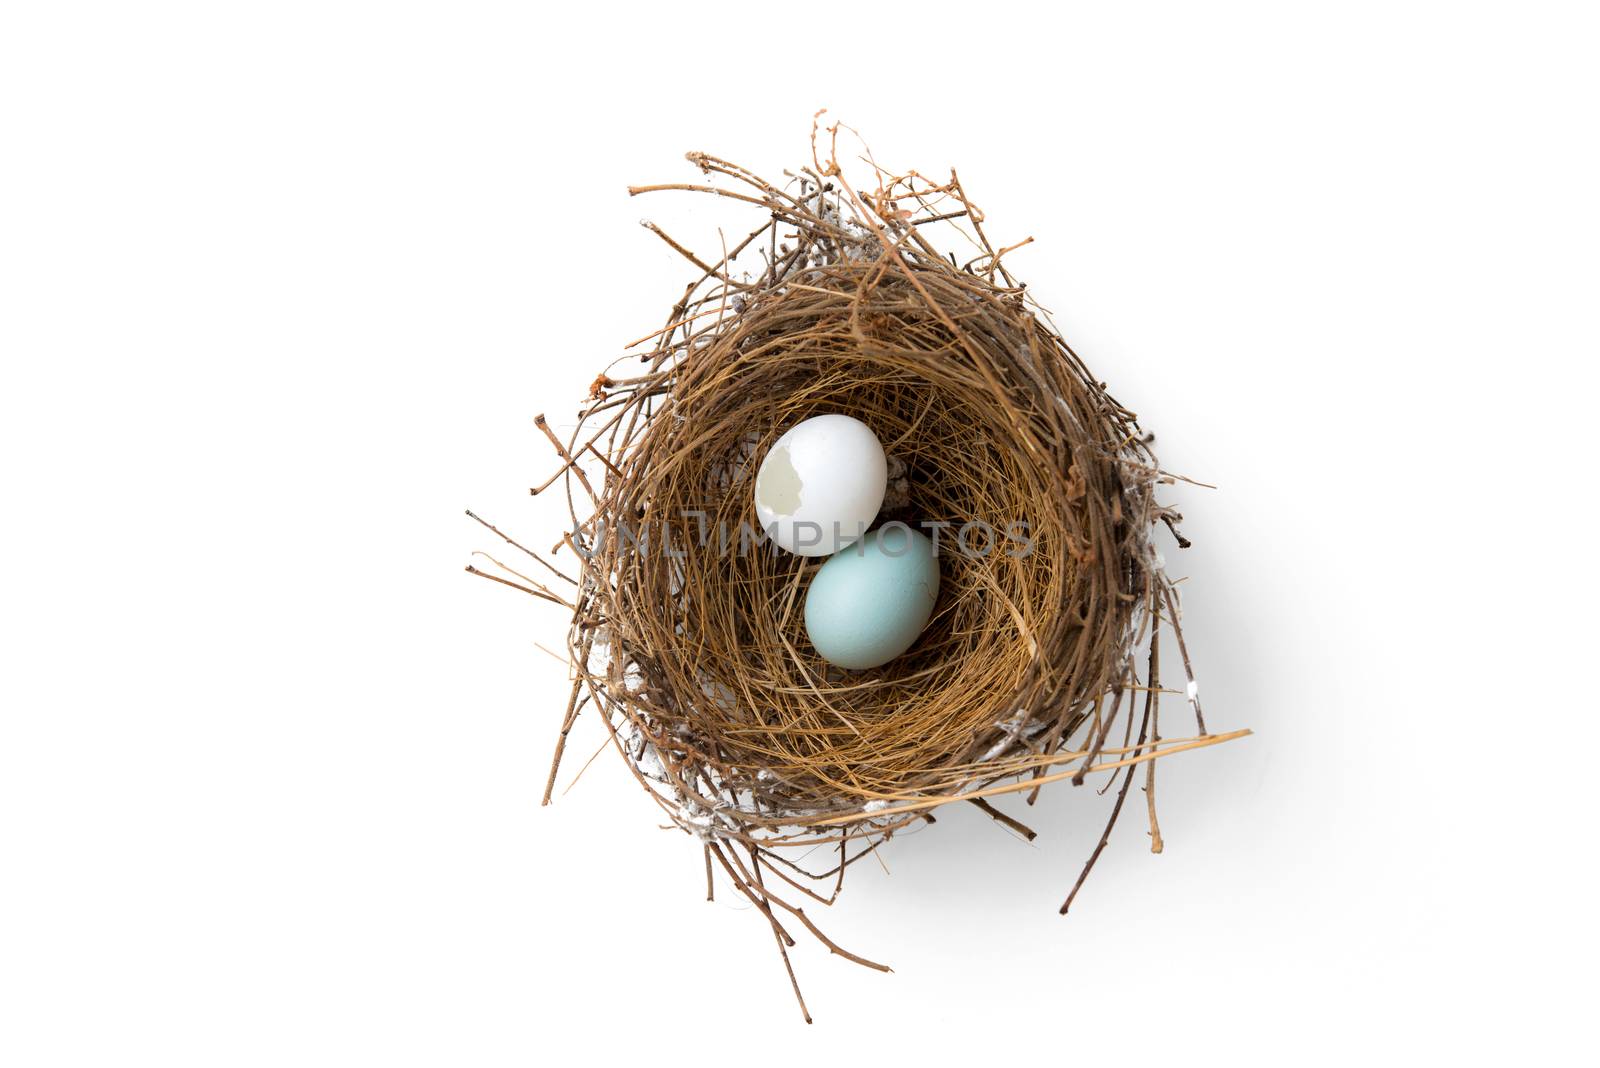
[284, 285]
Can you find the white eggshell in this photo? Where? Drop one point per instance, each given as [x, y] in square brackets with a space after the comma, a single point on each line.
[821, 484]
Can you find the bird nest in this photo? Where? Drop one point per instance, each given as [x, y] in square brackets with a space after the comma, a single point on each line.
[1042, 660]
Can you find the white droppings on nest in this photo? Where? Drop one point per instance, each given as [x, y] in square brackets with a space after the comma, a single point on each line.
[1194, 691]
[858, 244]
[719, 693]
[598, 662]
[650, 766]
[700, 821]
[1002, 745]
[633, 679]
[1018, 730]
[696, 821]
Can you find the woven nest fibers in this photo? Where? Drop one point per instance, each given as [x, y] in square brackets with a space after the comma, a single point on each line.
[1024, 632]
[688, 639]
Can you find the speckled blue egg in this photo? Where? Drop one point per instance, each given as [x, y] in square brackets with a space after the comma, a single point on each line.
[868, 603]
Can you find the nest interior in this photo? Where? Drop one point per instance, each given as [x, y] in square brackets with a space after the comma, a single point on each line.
[687, 638]
[1037, 594]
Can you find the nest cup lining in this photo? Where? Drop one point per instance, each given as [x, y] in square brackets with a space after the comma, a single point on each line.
[728, 662]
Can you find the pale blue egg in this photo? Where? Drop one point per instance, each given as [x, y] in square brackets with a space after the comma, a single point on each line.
[868, 603]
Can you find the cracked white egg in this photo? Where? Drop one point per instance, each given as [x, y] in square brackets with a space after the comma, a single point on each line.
[821, 484]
